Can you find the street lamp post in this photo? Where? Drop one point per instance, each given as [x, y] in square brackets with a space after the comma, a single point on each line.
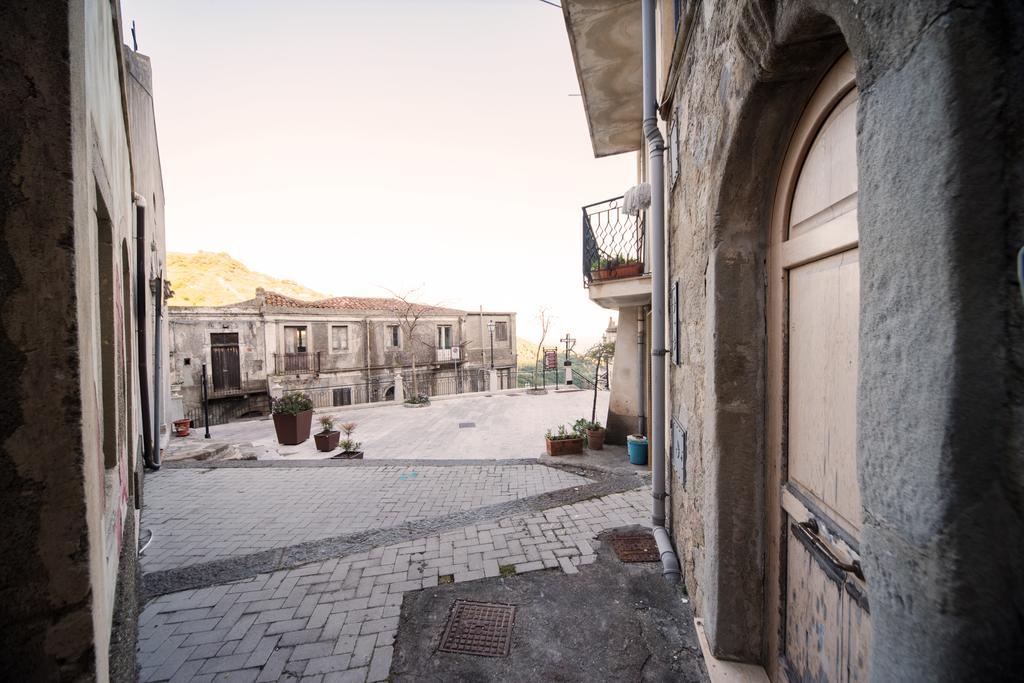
[490, 327]
[570, 344]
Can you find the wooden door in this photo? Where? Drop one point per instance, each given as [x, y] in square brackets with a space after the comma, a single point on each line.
[227, 375]
[814, 296]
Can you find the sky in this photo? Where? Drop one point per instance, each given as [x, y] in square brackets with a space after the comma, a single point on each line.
[356, 146]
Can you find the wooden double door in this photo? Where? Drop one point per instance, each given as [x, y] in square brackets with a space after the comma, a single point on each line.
[814, 296]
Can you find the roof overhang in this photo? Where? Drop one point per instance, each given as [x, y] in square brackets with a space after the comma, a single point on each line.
[605, 37]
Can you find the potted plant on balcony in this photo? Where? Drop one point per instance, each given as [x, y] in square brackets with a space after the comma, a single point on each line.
[617, 267]
[327, 439]
[564, 441]
[349, 448]
[293, 415]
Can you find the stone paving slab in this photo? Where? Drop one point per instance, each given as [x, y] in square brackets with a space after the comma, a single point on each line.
[610, 621]
[201, 515]
[507, 425]
[336, 620]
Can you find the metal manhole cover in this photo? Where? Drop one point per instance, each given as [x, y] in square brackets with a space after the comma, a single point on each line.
[466, 425]
[479, 628]
[636, 548]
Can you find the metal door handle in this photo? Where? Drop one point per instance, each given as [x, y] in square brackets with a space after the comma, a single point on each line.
[810, 530]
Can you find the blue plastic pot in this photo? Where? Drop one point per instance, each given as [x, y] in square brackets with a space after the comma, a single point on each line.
[637, 447]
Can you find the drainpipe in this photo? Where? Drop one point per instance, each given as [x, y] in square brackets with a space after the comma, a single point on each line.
[141, 292]
[158, 366]
[656, 150]
[641, 418]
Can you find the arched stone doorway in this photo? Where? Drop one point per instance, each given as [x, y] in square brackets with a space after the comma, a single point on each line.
[813, 317]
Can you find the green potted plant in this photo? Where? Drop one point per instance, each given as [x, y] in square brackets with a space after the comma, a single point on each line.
[293, 416]
[617, 267]
[594, 432]
[421, 401]
[349, 448]
[327, 439]
[564, 441]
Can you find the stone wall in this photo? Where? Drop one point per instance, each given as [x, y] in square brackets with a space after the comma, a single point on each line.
[941, 463]
[71, 421]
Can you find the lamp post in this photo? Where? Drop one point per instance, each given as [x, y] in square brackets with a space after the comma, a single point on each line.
[206, 405]
[570, 344]
[490, 328]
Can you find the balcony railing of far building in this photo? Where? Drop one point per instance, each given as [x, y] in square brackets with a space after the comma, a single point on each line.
[255, 386]
[300, 363]
[613, 242]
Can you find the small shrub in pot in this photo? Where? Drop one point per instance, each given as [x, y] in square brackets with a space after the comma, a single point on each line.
[327, 439]
[293, 417]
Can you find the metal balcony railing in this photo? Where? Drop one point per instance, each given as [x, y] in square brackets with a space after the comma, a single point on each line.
[448, 355]
[613, 242]
[256, 386]
[296, 363]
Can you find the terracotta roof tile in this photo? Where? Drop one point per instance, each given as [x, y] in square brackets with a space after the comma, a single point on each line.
[352, 303]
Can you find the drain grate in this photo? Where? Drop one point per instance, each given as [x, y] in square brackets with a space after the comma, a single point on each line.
[479, 628]
[636, 548]
[467, 425]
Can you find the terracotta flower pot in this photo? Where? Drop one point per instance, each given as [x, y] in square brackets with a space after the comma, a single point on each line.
[595, 439]
[292, 429]
[181, 427]
[327, 441]
[564, 446]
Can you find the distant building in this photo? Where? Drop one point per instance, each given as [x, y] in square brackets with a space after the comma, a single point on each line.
[340, 351]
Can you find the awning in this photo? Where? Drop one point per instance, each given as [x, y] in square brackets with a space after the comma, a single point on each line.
[605, 36]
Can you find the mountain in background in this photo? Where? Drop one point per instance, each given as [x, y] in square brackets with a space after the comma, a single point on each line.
[216, 279]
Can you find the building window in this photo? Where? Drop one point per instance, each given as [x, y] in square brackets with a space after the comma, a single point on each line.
[394, 336]
[343, 397]
[295, 339]
[444, 336]
[339, 338]
[501, 331]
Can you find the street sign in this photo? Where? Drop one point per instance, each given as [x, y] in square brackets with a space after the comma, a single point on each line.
[550, 359]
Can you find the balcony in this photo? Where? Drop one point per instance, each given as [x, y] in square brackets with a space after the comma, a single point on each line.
[614, 268]
[452, 355]
[245, 387]
[303, 363]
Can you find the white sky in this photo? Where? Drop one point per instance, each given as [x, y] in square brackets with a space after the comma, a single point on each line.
[351, 145]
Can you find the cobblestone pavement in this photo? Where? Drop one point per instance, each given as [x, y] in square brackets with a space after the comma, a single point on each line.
[336, 620]
[199, 515]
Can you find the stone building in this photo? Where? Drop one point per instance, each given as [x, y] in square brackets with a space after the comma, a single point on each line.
[81, 205]
[340, 351]
[837, 320]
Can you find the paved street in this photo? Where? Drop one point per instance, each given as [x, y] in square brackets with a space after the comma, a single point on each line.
[336, 620]
[496, 426]
[199, 515]
[290, 568]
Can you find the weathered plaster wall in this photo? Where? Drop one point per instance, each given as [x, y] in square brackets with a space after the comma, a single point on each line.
[939, 405]
[189, 339]
[70, 413]
[45, 620]
[145, 153]
[478, 339]
[624, 399]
